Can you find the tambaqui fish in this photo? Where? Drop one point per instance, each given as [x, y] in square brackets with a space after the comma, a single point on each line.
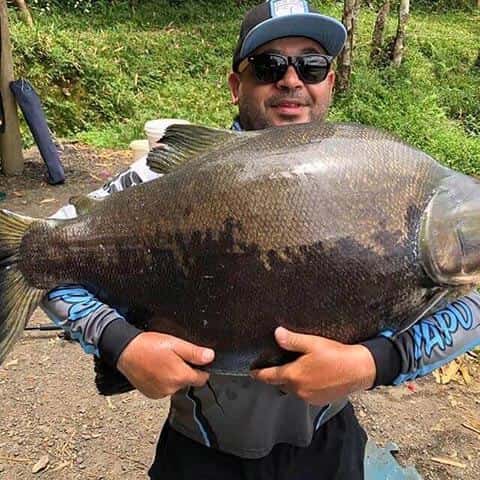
[337, 230]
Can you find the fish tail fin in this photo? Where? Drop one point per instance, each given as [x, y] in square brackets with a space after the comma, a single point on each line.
[17, 298]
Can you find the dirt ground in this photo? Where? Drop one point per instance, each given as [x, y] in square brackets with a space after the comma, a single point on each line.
[52, 417]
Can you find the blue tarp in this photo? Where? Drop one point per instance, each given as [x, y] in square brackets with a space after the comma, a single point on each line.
[380, 464]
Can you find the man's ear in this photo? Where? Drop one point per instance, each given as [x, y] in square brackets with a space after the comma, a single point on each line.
[331, 80]
[234, 84]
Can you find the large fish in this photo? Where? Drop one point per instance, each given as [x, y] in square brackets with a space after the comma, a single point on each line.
[331, 229]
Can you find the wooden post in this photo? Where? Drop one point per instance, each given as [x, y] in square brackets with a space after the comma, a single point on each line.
[25, 12]
[403, 15]
[379, 30]
[10, 141]
[351, 9]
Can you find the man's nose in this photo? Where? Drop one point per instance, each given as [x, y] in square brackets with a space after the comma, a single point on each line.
[290, 79]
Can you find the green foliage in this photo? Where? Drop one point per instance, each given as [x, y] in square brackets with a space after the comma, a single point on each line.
[46, 6]
[444, 5]
[101, 74]
[433, 100]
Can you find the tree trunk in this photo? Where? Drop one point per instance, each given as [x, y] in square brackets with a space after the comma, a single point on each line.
[379, 30]
[10, 141]
[351, 9]
[26, 16]
[403, 15]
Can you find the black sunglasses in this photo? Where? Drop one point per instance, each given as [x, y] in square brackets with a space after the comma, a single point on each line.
[271, 67]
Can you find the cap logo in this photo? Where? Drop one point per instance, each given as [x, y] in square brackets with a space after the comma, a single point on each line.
[279, 8]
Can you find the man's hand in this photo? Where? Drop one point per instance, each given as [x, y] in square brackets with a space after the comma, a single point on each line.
[326, 370]
[155, 364]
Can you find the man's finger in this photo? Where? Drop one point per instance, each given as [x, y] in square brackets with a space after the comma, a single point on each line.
[198, 378]
[294, 342]
[192, 353]
[272, 375]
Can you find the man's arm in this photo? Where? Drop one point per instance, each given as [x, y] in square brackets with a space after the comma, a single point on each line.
[154, 363]
[329, 370]
[85, 319]
[429, 344]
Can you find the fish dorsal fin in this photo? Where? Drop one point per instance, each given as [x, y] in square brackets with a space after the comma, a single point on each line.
[183, 142]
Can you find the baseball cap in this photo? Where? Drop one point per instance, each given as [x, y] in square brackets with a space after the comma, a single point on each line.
[287, 18]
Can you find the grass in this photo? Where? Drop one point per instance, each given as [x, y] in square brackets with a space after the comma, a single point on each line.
[102, 74]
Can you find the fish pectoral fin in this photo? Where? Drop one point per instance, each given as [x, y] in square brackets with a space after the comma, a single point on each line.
[18, 299]
[84, 204]
[431, 306]
[184, 142]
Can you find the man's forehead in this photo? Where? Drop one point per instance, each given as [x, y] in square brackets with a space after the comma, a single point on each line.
[291, 45]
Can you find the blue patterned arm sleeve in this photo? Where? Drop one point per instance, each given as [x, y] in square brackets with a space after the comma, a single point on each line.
[429, 344]
[438, 339]
[80, 314]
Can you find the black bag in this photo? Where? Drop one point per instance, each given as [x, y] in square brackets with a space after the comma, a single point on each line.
[31, 107]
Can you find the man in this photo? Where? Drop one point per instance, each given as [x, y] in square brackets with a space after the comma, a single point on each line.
[287, 422]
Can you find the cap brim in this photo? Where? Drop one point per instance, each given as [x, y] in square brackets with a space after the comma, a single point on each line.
[327, 31]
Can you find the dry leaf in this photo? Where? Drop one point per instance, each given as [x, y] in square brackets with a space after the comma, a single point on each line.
[449, 371]
[475, 422]
[11, 363]
[437, 375]
[110, 404]
[61, 466]
[448, 461]
[41, 464]
[470, 427]
[48, 200]
[466, 374]
[456, 370]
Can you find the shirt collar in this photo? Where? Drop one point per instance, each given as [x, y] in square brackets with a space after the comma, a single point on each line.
[236, 125]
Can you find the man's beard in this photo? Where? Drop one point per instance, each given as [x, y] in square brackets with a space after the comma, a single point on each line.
[252, 117]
